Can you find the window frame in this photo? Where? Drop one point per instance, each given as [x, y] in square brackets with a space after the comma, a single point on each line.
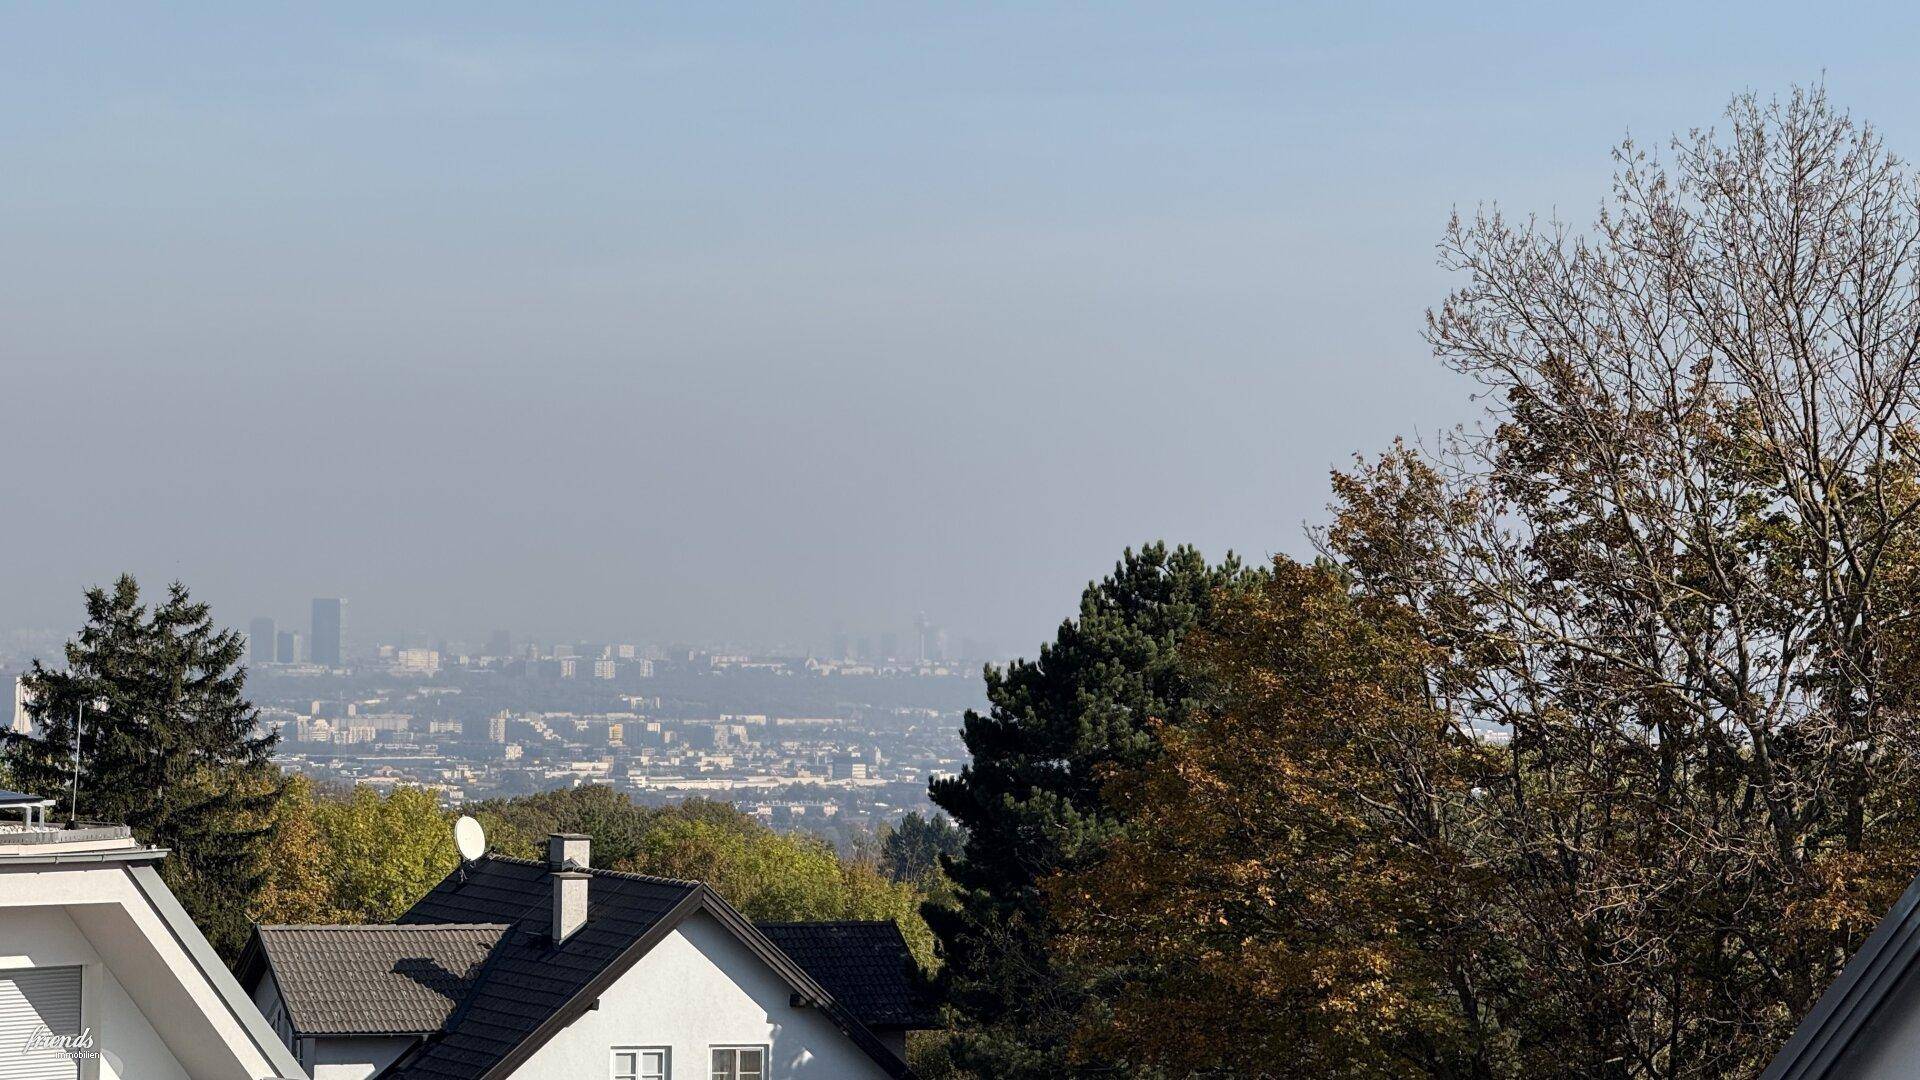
[639, 1065]
[733, 1072]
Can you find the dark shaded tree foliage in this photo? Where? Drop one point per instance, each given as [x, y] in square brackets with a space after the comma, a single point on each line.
[1032, 804]
[1294, 886]
[168, 746]
[913, 849]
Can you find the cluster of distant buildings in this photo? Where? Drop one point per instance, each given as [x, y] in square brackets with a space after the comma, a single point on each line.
[322, 646]
[781, 768]
[847, 738]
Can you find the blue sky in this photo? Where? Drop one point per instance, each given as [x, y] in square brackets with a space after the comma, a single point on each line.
[743, 321]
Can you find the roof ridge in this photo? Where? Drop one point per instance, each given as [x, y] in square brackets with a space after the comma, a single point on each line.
[388, 926]
[601, 871]
[826, 922]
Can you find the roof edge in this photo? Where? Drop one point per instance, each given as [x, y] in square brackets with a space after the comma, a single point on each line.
[410, 927]
[578, 1004]
[188, 937]
[1862, 986]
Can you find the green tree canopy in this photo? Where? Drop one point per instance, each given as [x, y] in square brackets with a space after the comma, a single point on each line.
[1600, 754]
[1291, 886]
[167, 745]
[384, 851]
[1032, 801]
[912, 850]
[767, 875]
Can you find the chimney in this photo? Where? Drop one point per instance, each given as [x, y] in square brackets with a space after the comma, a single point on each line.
[568, 856]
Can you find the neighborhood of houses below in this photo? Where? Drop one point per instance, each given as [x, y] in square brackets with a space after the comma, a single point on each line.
[507, 968]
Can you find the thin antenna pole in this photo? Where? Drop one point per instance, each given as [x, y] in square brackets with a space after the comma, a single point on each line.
[79, 723]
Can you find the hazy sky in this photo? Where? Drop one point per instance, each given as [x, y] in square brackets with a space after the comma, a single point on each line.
[723, 321]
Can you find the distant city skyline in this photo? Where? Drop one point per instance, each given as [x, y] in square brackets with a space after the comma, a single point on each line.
[918, 638]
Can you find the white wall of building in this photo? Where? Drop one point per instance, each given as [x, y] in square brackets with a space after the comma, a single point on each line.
[32, 937]
[154, 1011]
[346, 1057]
[699, 988]
[350, 1058]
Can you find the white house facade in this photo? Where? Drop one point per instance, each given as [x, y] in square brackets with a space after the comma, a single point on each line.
[102, 974]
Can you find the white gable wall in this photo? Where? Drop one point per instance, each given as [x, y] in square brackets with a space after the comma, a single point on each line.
[154, 1009]
[34, 937]
[699, 988]
[266, 998]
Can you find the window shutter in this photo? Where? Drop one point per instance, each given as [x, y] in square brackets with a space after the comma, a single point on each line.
[32, 999]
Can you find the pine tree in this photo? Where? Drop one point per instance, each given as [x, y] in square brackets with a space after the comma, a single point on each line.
[167, 746]
[1032, 803]
[912, 849]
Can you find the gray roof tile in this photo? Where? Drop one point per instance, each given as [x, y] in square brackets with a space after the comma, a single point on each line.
[341, 980]
[865, 965]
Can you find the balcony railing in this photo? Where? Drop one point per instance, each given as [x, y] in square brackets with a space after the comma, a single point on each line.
[14, 834]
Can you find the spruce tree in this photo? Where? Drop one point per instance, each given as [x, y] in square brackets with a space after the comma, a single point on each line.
[1032, 801]
[167, 746]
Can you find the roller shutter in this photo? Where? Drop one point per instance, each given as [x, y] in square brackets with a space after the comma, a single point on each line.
[30, 1000]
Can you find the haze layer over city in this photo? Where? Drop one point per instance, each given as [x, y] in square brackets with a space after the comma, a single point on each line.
[854, 338]
[658, 324]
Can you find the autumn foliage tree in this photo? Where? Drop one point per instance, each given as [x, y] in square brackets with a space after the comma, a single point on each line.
[1296, 886]
[1665, 605]
[1033, 803]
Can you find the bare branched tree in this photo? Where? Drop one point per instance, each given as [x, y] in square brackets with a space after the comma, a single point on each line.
[1677, 572]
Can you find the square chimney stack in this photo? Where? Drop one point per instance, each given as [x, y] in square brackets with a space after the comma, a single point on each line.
[569, 855]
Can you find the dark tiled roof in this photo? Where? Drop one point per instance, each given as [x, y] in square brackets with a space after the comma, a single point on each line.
[864, 965]
[528, 989]
[402, 980]
[527, 981]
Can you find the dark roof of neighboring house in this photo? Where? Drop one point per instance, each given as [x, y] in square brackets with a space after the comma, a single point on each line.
[1847, 1009]
[865, 965]
[373, 980]
[529, 989]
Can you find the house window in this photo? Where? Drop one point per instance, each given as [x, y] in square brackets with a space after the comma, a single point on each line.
[739, 1063]
[640, 1063]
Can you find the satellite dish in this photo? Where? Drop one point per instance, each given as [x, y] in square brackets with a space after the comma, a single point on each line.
[470, 838]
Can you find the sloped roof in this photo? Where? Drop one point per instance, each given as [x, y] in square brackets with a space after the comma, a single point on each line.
[527, 980]
[865, 965]
[366, 980]
[1846, 1011]
[528, 988]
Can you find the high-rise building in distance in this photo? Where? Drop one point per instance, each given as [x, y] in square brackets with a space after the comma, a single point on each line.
[499, 643]
[286, 648]
[327, 632]
[261, 641]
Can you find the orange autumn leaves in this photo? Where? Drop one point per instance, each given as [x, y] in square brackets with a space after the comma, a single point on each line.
[1289, 889]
